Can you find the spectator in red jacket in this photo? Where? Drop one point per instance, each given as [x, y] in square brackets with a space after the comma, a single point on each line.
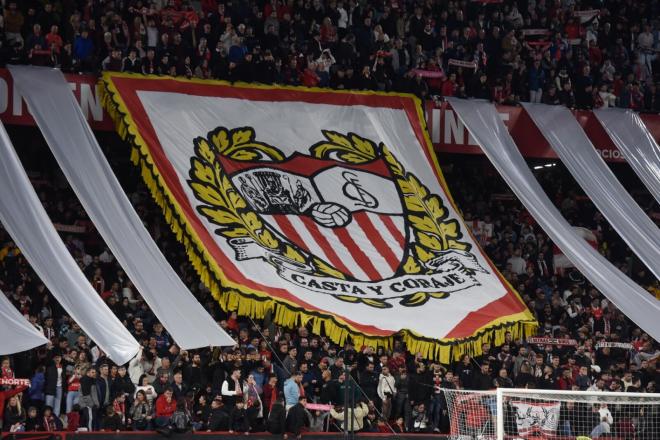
[165, 407]
[309, 77]
[566, 381]
[5, 369]
[54, 40]
[449, 87]
[269, 394]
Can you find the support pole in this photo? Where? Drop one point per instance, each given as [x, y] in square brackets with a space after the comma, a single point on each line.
[500, 414]
[346, 403]
[351, 396]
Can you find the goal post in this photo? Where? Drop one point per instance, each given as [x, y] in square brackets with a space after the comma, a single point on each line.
[508, 413]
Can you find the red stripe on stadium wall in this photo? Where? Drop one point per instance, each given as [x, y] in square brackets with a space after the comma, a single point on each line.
[448, 135]
[14, 111]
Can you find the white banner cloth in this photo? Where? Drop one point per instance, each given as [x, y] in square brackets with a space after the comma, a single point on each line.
[73, 144]
[632, 138]
[17, 332]
[484, 123]
[570, 142]
[25, 219]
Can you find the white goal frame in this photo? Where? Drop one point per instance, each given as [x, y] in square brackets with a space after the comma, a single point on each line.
[598, 396]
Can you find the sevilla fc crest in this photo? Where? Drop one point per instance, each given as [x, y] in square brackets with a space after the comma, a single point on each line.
[345, 219]
[348, 215]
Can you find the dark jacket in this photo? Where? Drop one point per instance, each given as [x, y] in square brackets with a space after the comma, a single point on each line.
[238, 420]
[201, 414]
[179, 391]
[420, 387]
[104, 384]
[296, 419]
[369, 384]
[122, 385]
[276, 419]
[195, 375]
[12, 417]
[329, 392]
[51, 379]
[218, 420]
[51, 424]
[482, 381]
[111, 423]
[466, 375]
[33, 424]
[89, 395]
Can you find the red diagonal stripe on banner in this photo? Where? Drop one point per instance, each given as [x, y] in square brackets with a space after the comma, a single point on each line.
[290, 232]
[396, 233]
[325, 245]
[376, 239]
[359, 256]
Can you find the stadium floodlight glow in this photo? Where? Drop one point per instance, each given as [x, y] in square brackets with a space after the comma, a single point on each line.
[508, 413]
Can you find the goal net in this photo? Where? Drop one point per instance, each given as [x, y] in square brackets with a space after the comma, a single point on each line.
[552, 415]
[472, 414]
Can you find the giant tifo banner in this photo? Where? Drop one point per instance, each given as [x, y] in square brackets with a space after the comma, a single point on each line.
[326, 208]
[447, 132]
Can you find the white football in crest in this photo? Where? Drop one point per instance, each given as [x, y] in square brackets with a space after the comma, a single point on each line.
[331, 215]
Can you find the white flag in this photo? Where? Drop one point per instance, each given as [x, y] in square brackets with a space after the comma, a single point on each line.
[534, 418]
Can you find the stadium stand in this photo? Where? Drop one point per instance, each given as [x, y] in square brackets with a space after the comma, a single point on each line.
[579, 54]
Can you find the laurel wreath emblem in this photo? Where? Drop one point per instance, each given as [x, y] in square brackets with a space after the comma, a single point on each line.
[223, 205]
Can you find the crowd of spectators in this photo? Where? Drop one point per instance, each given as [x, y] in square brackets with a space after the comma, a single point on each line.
[274, 371]
[578, 53]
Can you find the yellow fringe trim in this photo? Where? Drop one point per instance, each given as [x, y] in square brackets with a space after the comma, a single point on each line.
[256, 304]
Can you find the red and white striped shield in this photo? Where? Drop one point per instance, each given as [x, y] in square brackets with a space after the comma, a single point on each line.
[350, 216]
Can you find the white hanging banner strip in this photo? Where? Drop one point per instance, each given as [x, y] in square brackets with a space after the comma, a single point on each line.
[73, 144]
[25, 219]
[17, 332]
[570, 142]
[632, 138]
[484, 123]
